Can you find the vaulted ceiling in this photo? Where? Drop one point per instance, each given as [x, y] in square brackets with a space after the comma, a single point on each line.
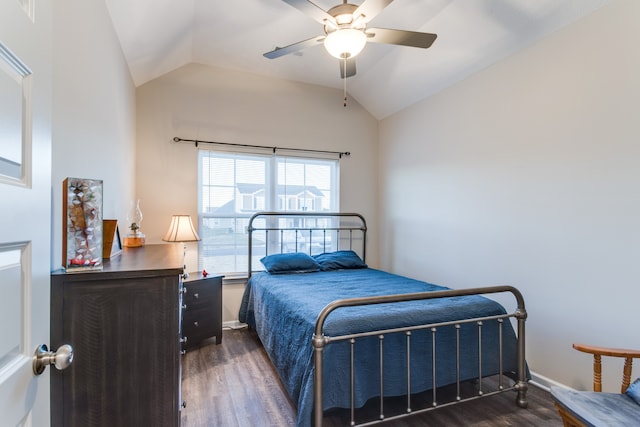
[158, 36]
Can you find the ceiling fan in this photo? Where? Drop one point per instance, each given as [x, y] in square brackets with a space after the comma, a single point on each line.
[346, 32]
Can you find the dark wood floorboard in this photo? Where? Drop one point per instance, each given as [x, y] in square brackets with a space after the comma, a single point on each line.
[234, 384]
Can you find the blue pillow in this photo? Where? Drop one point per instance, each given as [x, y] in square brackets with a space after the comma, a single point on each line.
[633, 391]
[339, 260]
[294, 262]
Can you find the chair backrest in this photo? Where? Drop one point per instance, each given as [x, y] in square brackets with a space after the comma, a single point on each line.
[598, 352]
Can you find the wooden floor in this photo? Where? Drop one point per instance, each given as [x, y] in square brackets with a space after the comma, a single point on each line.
[233, 384]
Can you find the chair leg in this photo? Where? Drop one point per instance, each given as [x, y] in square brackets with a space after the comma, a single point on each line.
[567, 418]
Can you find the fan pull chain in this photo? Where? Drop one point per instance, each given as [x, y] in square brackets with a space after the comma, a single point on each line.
[345, 82]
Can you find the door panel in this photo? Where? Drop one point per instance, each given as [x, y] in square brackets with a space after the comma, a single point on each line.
[11, 308]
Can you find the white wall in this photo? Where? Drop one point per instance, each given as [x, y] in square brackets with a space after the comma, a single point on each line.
[213, 104]
[93, 111]
[527, 174]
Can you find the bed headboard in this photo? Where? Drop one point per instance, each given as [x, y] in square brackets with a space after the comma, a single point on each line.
[310, 232]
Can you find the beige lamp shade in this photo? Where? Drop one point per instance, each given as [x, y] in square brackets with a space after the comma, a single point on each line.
[181, 230]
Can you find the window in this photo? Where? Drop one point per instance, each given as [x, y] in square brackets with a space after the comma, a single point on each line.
[232, 187]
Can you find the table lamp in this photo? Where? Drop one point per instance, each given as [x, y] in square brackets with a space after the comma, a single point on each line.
[181, 230]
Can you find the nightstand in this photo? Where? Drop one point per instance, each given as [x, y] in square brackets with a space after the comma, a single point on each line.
[202, 314]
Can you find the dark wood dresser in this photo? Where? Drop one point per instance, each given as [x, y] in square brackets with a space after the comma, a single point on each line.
[202, 309]
[124, 326]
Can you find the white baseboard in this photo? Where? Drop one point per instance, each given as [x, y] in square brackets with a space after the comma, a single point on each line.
[233, 324]
[543, 382]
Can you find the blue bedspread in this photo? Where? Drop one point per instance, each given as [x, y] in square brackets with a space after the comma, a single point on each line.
[283, 309]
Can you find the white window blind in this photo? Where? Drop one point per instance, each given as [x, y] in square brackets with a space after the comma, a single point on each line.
[234, 186]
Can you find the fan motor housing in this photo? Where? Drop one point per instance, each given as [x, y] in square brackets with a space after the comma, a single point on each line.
[343, 13]
[345, 9]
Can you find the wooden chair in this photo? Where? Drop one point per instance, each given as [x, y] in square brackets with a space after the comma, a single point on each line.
[583, 408]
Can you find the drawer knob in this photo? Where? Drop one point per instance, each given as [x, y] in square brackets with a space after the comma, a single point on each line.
[196, 295]
[196, 324]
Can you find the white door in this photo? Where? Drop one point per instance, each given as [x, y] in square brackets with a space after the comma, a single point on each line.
[25, 207]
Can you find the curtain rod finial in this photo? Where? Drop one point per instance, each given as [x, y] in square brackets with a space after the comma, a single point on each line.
[176, 139]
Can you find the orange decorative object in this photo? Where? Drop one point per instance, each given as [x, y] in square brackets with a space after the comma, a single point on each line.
[134, 241]
[135, 238]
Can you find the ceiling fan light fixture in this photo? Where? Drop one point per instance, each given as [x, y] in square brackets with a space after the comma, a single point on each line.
[345, 42]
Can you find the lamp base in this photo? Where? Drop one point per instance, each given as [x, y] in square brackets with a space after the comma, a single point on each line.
[134, 240]
[185, 274]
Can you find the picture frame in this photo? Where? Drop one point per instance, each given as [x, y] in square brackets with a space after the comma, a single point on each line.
[111, 242]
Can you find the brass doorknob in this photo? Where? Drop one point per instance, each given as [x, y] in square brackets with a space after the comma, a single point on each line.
[61, 359]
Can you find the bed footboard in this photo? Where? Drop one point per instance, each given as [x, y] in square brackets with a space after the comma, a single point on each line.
[321, 341]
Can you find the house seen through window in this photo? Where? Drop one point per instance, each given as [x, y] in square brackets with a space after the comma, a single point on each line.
[234, 186]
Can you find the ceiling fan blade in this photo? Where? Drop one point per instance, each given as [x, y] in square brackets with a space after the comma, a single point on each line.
[349, 70]
[401, 37]
[369, 10]
[281, 51]
[312, 10]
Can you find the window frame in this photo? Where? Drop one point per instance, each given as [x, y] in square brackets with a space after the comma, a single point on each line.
[271, 200]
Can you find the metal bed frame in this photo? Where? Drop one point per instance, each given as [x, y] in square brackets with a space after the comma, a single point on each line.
[320, 340]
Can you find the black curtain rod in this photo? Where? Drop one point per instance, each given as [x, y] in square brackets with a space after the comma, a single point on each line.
[196, 142]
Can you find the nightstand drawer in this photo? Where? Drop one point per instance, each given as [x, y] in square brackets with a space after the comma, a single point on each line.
[199, 293]
[198, 325]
